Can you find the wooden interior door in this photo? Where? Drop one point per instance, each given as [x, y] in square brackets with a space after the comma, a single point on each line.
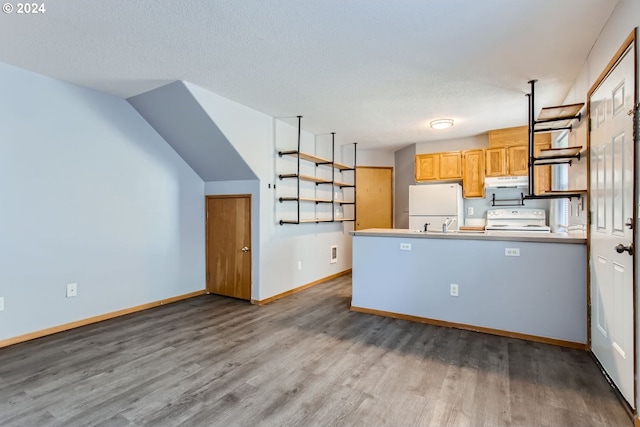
[611, 258]
[374, 197]
[228, 245]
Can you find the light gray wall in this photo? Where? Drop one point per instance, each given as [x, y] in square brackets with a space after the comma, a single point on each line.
[92, 195]
[535, 293]
[372, 157]
[257, 138]
[480, 206]
[404, 177]
[180, 120]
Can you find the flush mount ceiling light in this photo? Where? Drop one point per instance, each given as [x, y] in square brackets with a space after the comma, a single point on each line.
[441, 123]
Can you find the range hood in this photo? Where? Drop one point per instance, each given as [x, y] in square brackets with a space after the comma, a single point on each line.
[506, 181]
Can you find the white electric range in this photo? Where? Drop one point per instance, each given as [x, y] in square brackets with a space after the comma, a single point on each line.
[517, 219]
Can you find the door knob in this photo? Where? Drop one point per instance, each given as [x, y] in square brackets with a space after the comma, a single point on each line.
[621, 248]
[245, 249]
[629, 224]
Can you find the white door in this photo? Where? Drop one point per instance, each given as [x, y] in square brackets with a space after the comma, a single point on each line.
[611, 192]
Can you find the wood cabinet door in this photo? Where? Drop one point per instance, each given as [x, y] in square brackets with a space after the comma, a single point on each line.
[508, 137]
[450, 165]
[518, 163]
[473, 173]
[515, 137]
[542, 182]
[427, 166]
[495, 161]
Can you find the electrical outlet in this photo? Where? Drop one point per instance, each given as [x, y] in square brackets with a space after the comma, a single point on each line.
[1, 303]
[299, 265]
[512, 251]
[470, 210]
[453, 290]
[72, 290]
[405, 246]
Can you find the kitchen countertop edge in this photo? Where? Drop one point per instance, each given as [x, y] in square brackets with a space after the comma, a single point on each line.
[575, 238]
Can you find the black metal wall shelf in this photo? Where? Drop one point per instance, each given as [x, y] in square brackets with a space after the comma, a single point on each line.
[555, 156]
[569, 194]
[318, 161]
[551, 119]
[308, 199]
[557, 118]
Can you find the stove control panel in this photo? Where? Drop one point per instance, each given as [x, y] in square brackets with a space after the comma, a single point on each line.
[516, 214]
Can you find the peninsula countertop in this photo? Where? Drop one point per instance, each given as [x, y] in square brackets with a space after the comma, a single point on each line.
[523, 236]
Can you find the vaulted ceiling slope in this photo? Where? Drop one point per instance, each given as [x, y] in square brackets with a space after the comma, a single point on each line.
[176, 115]
[372, 71]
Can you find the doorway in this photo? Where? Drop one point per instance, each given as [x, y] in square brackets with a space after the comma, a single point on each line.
[612, 228]
[374, 197]
[228, 245]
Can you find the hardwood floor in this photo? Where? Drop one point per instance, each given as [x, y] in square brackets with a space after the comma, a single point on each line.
[304, 360]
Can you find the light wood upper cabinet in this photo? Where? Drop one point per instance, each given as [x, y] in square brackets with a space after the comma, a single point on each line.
[518, 160]
[450, 165]
[510, 137]
[495, 162]
[439, 166]
[473, 173]
[509, 161]
[542, 174]
[427, 166]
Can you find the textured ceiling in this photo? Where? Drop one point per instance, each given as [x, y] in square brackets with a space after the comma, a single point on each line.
[375, 72]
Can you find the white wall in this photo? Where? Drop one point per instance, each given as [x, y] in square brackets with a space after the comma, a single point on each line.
[370, 157]
[90, 195]
[258, 137]
[623, 20]
[470, 143]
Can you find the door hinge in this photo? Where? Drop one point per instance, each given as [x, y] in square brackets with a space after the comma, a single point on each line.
[589, 217]
[207, 277]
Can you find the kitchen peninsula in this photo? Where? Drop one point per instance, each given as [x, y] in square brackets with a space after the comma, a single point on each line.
[524, 284]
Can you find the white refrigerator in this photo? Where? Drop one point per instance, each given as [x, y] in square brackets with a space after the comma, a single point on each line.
[434, 204]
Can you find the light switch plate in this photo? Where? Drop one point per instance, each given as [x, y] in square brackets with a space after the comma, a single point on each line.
[1, 303]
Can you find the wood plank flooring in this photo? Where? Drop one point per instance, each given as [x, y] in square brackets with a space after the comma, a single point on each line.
[304, 360]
